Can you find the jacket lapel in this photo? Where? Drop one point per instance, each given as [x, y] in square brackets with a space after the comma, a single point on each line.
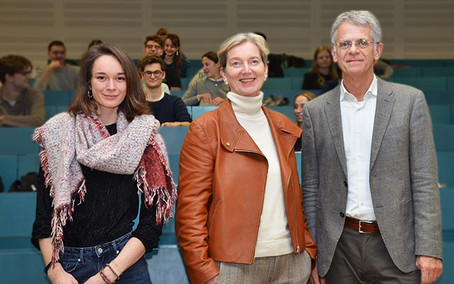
[385, 103]
[333, 116]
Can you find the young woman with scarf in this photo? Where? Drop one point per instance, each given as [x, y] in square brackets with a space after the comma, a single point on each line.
[96, 161]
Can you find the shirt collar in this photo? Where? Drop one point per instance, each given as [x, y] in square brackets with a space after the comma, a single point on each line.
[372, 91]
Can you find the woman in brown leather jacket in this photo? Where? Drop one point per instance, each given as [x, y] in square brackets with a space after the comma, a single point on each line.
[239, 217]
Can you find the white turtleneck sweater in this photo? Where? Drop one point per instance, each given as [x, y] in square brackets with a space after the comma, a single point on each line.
[274, 236]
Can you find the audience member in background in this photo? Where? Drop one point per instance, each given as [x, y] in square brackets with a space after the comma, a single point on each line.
[298, 104]
[369, 170]
[239, 217]
[154, 46]
[383, 69]
[274, 62]
[20, 105]
[209, 89]
[323, 69]
[173, 57]
[95, 160]
[162, 33]
[94, 42]
[59, 74]
[169, 110]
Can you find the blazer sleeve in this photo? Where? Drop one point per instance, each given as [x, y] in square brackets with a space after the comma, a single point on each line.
[424, 181]
[309, 170]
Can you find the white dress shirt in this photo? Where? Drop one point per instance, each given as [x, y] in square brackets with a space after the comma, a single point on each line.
[357, 126]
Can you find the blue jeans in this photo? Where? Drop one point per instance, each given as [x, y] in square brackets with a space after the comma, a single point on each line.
[84, 262]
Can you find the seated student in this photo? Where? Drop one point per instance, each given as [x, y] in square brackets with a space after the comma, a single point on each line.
[58, 75]
[298, 103]
[173, 56]
[209, 89]
[20, 105]
[274, 62]
[169, 110]
[323, 70]
[154, 46]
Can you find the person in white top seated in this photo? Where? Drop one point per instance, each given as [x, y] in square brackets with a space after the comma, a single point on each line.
[207, 88]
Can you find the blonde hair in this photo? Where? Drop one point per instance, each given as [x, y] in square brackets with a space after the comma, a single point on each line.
[238, 39]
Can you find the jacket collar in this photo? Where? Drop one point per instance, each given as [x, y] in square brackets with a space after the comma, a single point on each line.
[235, 137]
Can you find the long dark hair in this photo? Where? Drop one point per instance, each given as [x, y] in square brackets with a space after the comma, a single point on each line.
[134, 103]
[177, 58]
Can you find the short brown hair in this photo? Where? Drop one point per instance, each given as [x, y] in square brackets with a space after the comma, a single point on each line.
[11, 64]
[154, 38]
[147, 60]
[134, 103]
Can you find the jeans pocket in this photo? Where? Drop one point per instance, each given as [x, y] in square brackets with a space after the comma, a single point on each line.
[69, 265]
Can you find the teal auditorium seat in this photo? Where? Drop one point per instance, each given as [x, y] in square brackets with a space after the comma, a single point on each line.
[285, 110]
[426, 83]
[174, 138]
[442, 71]
[407, 72]
[444, 137]
[440, 97]
[199, 110]
[8, 170]
[441, 113]
[446, 168]
[58, 98]
[178, 93]
[296, 72]
[17, 140]
[277, 84]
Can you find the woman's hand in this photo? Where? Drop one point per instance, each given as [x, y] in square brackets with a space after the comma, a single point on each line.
[206, 97]
[57, 275]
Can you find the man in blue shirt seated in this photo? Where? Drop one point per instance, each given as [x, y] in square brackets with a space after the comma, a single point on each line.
[169, 110]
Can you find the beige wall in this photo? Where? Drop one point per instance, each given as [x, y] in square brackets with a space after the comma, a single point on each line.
[412, 28]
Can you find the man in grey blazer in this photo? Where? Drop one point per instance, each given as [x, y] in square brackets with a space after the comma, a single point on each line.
[369, 170]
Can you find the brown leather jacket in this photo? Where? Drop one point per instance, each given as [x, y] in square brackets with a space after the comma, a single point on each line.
[221, 191]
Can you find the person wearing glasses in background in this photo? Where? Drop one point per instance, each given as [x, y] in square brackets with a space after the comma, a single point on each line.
[59, 74]
[169, 110]
[369, 170]
[20, 105]
[154, 46]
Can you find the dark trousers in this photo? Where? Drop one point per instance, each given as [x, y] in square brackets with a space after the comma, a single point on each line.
[363, 258]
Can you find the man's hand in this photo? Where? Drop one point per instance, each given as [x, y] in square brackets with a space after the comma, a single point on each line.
[314, 278]
[56, 65]
[430, 267]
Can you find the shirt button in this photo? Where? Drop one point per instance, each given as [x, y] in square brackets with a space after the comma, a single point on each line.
[227, 143]
[99, 250]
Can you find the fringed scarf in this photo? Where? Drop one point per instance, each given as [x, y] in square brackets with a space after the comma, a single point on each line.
[137, 149]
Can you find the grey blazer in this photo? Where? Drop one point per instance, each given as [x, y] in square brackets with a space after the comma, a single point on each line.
[403, 175]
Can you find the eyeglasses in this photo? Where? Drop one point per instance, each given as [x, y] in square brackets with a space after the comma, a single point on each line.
[149, 73]
[155, 46]
[361, 43]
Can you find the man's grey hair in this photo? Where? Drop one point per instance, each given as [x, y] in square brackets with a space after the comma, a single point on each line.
[360, 18]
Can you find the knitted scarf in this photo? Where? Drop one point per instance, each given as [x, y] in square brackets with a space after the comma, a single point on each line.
[137, 148]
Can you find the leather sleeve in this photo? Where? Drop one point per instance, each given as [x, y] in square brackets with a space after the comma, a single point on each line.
[197, 160]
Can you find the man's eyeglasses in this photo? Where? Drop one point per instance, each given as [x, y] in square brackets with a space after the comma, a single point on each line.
[153, 46]
[148, 74]
[361, 43]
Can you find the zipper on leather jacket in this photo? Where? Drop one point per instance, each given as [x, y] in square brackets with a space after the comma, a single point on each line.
[294, 217]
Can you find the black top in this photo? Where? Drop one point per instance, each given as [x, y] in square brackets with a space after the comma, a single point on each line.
[172, 79]
[170, 109]
[110, 207]
[310, 81]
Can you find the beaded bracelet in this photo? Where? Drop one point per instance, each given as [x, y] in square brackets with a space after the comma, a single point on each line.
[111, 269]
[104, 277]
